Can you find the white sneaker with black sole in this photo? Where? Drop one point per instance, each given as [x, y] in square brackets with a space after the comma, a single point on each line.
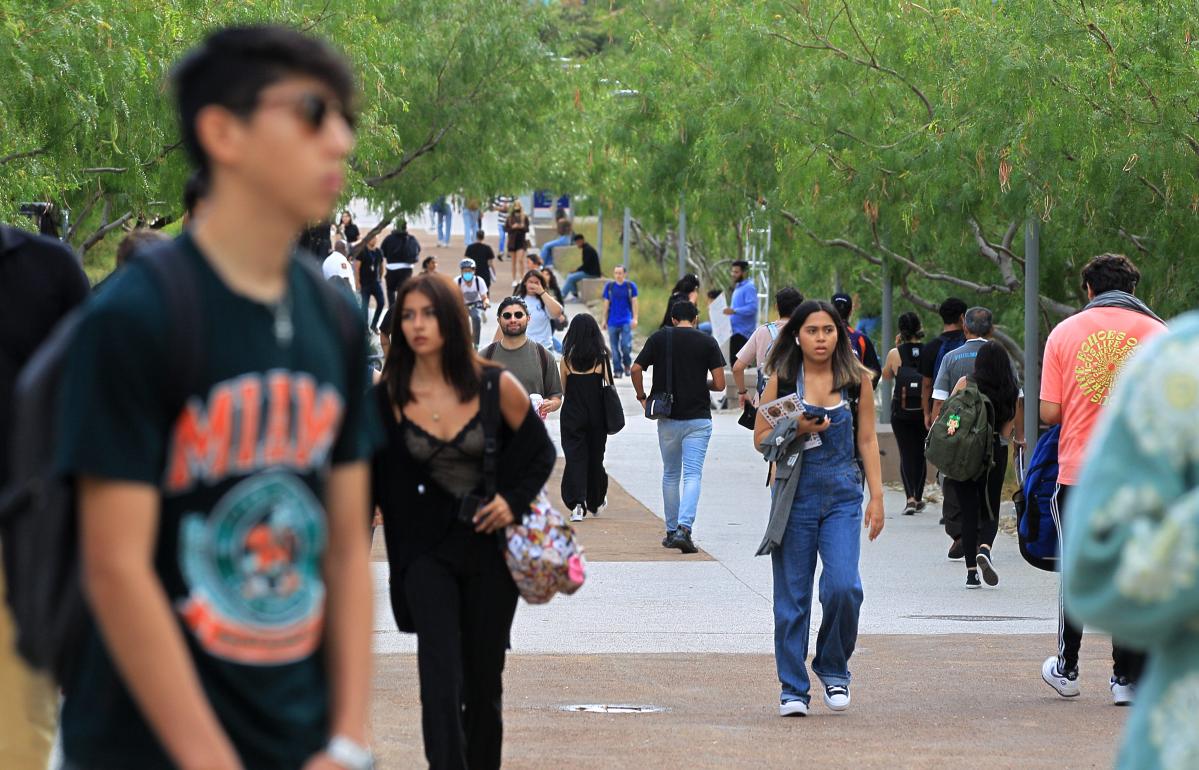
[793, 708]
[1066, 684]
[1123, 691]
[578, 513]
[836, 697]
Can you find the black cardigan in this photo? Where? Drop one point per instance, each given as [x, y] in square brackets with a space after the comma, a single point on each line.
[418, 514]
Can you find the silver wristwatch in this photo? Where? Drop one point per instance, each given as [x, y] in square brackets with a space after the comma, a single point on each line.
[350, 755]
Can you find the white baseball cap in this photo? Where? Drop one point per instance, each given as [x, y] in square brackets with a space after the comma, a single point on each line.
[338, 265]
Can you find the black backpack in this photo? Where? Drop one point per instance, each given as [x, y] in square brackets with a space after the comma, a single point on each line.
[39, 529]
[411, 249]
[908, 382]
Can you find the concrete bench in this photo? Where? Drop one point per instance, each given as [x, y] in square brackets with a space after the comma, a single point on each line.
[592, 289]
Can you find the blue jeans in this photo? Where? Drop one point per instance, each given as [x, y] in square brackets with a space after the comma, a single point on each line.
[706, 328]
[444, 223]
[621, 339]
[825, 520]
[503, 238]
[470, 225]
[547, 251]
[571, 286]
[684, 445]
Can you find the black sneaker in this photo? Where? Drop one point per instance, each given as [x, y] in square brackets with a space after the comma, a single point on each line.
[682, 541]
[668, 540]
[909, 509]
[956, 551]
[986, 567]
[972, 580]
[920, 508]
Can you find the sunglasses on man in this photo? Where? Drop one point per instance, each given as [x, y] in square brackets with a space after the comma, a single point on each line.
[313, 109]
[509, 316]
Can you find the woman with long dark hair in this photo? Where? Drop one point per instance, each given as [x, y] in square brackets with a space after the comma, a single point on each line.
[686, 288]
[542, 307]
[811, 359]
[907, 409]
[978, 500]
[449, 583]
[346, 229]
[517, 228]
[585, 370]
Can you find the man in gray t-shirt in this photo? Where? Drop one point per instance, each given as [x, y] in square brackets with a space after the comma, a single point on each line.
[959, 363]
[531, 364]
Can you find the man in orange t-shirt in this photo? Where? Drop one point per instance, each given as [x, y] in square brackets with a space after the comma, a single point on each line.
[1082, 357]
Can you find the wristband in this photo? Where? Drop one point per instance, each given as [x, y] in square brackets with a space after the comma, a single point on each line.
[742, 392]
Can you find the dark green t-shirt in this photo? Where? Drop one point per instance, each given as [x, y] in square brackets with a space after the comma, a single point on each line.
[242, 530]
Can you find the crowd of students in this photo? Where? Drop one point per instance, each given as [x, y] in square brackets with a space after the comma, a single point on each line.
[222, 513]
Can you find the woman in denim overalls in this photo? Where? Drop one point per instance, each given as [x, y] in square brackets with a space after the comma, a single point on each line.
[813, 359]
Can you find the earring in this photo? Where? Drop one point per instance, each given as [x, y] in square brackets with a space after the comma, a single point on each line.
[797, 342]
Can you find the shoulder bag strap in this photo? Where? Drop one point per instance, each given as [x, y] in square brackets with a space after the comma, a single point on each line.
[543, 356]
[669, 361]
[489, 412]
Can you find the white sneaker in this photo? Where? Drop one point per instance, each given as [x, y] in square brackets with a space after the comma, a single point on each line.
[1066, 686]
[1123, 691]
[578, 513]
[602, 507]
[836, 697]
[793, 708]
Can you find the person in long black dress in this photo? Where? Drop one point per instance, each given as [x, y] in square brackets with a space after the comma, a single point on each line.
[585, 369]
[449, 583]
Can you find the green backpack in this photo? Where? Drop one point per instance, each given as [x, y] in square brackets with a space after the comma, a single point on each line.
[962, 443]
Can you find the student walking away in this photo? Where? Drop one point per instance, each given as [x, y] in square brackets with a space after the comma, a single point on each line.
[531, 364]
[620, 319]
[541, 307]
[401, 250]
[589, 268]
[1083, 355]
[41, 281]
[978, 497]
[474, 296]
[483, 256]
[682, 357]
[445, 549]
[756, 352]
[859, 343]
[686, 288]
[978, 328]
[565, 227]
[346, 229]
[820, 458]
[907, 409]
[584, 427]
[952, 336]
[1129, 563]
[471, 217]
[517, 227]
[227, 572]
[443, 215]
[502, 205]
[743, 308]
[370, 266]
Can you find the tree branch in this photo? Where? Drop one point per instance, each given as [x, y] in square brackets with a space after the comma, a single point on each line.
[83, 215]
[20, 155]
[430, 144]
[103, 231]
[1137, 240]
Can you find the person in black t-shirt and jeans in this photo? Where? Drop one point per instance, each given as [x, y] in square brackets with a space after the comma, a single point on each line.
[483, 255]
[222, 530]
[953, 316]
[682, 437]
[370, 264]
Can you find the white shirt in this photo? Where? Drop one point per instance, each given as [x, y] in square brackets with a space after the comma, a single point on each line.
[338, 265]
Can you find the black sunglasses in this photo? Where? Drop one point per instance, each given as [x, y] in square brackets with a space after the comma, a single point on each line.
[313, 109]
[517, 315]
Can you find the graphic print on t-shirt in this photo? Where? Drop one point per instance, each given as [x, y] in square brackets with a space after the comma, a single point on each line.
[1098, 361]
[251, 566]
[252, 570]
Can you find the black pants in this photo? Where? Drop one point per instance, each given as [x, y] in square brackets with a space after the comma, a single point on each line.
[462, 601]
[979, 526]
[395, 279]
[584, 480]
[736, 342]
[910, 435]
[367, 291]
[1125, 663]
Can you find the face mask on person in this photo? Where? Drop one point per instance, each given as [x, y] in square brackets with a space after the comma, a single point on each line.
[468, 277]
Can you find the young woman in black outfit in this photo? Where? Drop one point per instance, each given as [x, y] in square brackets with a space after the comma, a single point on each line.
[584, 430]
[907, 410]
[449, 582]
[994, 377]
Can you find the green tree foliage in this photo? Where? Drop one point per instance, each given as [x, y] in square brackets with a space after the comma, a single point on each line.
[914, 137]
[455, 95]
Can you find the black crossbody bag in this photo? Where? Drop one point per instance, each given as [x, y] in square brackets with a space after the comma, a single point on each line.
[658, 405]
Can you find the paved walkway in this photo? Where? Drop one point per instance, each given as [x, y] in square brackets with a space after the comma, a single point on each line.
[943, 676]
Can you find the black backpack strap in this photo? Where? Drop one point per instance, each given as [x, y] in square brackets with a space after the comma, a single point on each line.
[489, 414]
[178, 280]
[853, 394]
[544, 356]
[669, 361]
[489, 351]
